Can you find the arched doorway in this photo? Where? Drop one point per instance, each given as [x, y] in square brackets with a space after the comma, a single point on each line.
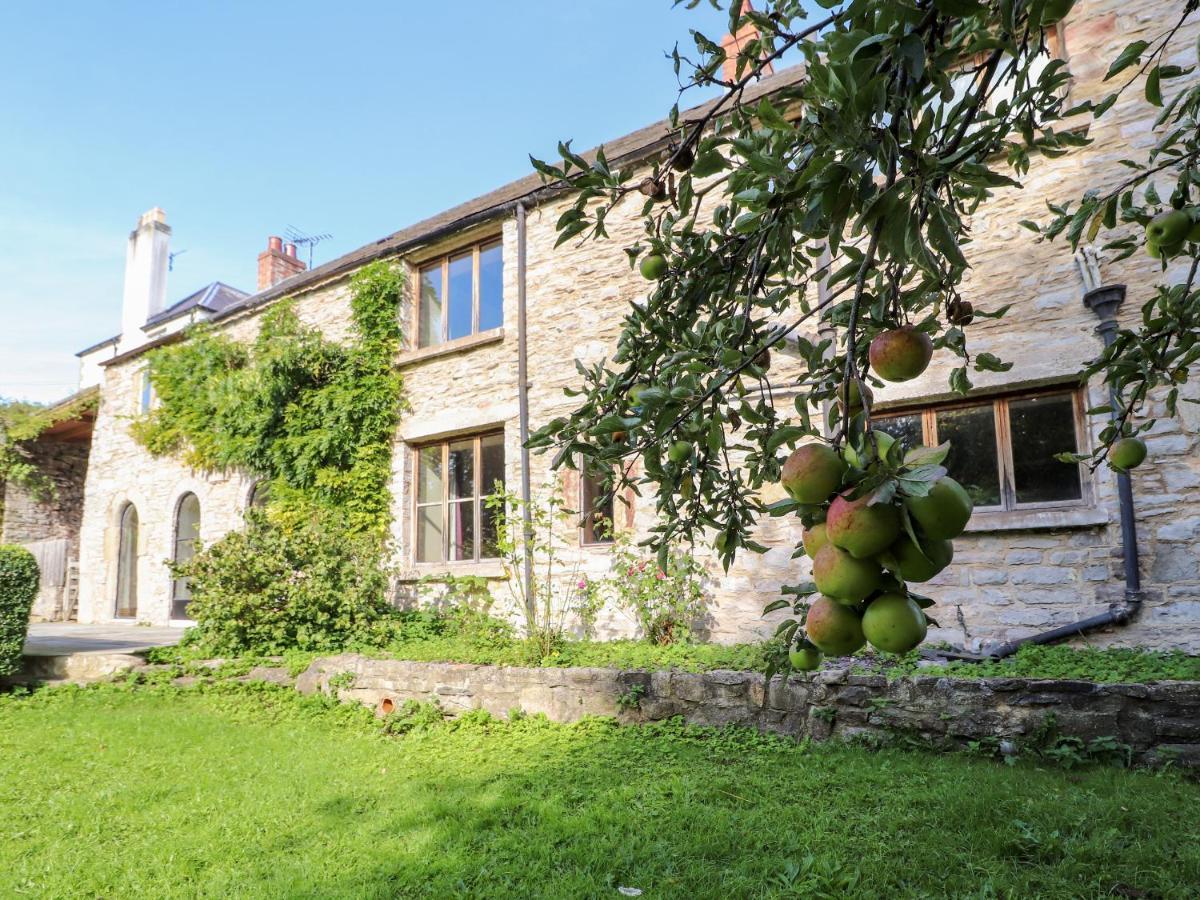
[127, 560]
[260, 494]
[187, 532]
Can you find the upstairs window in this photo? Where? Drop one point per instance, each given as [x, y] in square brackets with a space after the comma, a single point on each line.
[453, 523]
[145, 392]
[1003, 86]
[460, 295]
[1002, 450]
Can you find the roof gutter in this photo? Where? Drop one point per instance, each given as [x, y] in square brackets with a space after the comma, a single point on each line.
[1104, 301]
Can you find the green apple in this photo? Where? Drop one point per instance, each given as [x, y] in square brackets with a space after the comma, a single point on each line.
[654, 267]
[1169, 228]
[1127, 453]
[680, 452]
[806, 659]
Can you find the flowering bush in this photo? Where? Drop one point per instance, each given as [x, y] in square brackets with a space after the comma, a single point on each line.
[558, 590]
[666, 595]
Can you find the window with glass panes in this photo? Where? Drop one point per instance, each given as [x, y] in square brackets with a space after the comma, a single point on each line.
[145, 392]
[1004, 83]
[596, 506]
[453, 523]
[460, 294]
[1002, 450]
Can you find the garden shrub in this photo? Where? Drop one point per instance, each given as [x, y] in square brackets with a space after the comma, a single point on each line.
[315, 419]
[18, 588]
[309, 584]
[664, 593]
[559, 592]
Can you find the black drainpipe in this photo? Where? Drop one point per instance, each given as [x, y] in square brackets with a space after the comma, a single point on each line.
[1104, 301]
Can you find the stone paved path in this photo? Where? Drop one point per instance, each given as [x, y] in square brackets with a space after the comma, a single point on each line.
[62, 638]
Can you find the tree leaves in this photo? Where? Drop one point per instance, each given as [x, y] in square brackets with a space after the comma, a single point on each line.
[708, 163]
[1153, 87]
[927, 456]
[1130, 56]
[839, 207]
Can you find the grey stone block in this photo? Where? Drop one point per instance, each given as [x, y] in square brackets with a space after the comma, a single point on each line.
[1158, 720]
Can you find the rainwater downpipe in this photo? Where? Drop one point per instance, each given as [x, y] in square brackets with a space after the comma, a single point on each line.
[523, 407]
[1104, 301]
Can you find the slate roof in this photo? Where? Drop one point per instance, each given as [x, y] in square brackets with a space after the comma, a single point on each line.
[214, 298]
[530, 189]
[96, 346]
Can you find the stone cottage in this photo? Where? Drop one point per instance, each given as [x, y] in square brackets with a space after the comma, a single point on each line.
[489, 293]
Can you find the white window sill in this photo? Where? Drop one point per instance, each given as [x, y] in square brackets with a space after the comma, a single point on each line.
[1038, 519]
[487, 568]
[449, 348]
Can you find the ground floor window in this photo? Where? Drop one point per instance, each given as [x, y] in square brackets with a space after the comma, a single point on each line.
[260, 494]
[187, 533]
[1002, 449]
[596, 506]
[127, 558]
[453, 524]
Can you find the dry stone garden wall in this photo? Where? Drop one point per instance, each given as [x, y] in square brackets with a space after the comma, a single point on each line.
[1158, 722]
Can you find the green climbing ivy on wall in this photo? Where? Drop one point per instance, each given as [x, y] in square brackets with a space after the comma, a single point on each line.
[316, 420]
[23, 423]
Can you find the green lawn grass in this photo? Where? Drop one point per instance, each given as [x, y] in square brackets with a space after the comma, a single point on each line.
[229, 791]
[437, 640]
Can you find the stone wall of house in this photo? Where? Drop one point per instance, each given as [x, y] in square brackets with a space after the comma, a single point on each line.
[47, 522]
[30, 516]
[1158, 722]
[123, 472]
[1011, 578]
[1014, 577]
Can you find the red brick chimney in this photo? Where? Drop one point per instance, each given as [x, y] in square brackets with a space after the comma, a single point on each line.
[733, 43]
[277, 262]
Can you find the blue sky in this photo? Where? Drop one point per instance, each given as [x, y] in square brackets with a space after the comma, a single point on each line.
[240, 119]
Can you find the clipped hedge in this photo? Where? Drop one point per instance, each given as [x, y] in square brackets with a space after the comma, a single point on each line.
[18, 588]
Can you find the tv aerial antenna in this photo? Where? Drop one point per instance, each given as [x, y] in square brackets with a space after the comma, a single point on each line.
[301, 239]
[171, 259]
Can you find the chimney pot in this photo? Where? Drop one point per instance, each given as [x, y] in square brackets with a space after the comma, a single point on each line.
[277, 262]
[733, 43]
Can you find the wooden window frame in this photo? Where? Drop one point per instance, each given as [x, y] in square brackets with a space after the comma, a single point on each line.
[443, 263]
[444, 503]
[587, 519]
[176, 542]
[1005, 468]
[126, 579]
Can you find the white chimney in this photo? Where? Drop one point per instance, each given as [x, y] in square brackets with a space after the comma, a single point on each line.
[145, 275]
